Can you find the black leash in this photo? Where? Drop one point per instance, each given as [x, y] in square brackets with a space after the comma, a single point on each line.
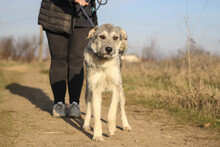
[87, 16]
[100, 3]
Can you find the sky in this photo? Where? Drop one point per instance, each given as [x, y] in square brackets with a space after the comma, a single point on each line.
[144, 20]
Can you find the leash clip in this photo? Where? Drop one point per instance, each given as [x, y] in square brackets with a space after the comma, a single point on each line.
[93, 10]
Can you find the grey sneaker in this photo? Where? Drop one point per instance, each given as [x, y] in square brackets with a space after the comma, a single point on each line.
[59, 110]
[74, 110]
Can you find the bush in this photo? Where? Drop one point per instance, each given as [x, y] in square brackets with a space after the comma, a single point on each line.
[22, 49]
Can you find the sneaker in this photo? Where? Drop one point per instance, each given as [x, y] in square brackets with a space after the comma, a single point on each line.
[74, 110]
[59, 110]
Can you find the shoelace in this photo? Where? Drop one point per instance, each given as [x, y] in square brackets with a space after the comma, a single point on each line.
[76, 104]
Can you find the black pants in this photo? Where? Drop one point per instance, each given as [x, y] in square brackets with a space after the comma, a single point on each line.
[67, 63]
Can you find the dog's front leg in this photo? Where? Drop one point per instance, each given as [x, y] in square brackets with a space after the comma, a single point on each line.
[124, 119]
[113, 110]
[88, 98]
[96, 103]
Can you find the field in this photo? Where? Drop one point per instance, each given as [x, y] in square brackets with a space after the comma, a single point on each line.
[162, 109]
[165, 85]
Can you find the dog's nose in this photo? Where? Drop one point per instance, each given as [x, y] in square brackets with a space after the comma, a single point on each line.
[108, 50]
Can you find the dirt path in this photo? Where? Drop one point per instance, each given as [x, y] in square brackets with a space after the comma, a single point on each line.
[27, 102]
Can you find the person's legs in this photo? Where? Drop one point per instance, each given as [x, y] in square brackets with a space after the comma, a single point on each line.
[58, 44]
[77, 44]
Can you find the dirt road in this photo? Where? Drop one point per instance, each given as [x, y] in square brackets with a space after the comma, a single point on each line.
[26, 104]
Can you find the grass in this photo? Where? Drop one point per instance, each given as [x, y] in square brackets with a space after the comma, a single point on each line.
[7, 130]
[6, 117]
[164, 85]
[2, 80]
[9, 63]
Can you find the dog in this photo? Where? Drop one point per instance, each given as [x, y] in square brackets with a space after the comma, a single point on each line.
[103, 59]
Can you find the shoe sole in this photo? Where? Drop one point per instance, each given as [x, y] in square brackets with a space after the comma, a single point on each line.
[58, 115]
[74, 116]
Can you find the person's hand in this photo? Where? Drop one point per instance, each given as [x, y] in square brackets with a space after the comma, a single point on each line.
[81, 2]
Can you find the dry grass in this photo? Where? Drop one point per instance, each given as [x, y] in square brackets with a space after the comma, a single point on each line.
[164, 84]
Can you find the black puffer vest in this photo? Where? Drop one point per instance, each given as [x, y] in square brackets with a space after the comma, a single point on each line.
[60, 16]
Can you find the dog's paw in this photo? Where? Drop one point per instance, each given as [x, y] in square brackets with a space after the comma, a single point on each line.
[111, 128]
[98, 138]
[127, 128]
[86, 128]
[112, 132]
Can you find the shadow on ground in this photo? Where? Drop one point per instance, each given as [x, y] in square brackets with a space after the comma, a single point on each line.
[40, 99]
[35, 95]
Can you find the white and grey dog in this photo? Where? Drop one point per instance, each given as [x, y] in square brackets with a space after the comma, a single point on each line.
[102, 57]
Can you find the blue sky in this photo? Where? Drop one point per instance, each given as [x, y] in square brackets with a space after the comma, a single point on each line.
[143, 20]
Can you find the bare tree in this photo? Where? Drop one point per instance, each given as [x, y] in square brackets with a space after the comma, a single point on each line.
[189, 36]
[7, 48]
[150, 52]
[22, 49]
[26, 48]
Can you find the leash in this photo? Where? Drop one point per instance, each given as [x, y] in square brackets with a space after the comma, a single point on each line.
[87, 16]
[101, 3]
[95, 9]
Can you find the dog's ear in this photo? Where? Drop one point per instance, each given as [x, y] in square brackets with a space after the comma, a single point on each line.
[92, 33]
[123, 34]
[124, 38]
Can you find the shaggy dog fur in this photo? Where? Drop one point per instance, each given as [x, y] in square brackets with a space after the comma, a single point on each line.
[102, 57]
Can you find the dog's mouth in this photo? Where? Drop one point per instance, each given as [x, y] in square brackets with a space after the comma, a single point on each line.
[104, 56]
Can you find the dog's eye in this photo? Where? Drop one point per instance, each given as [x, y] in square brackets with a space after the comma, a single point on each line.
[102, 37]
[115, 38]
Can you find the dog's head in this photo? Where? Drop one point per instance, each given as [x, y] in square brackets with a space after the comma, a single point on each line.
[107, 41]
